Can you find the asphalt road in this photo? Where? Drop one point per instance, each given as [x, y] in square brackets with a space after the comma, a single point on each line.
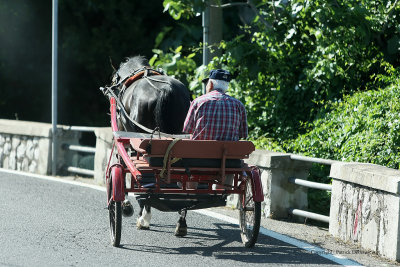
[51, 223]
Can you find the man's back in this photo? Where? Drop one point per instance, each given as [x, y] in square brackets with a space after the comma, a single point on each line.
[216, 116]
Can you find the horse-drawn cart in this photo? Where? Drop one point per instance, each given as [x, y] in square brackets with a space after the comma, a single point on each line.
[172, 172]
[162, 168]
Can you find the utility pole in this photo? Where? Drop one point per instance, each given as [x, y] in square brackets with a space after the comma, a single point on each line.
[215, 31]
[212, 31]
[54, 77]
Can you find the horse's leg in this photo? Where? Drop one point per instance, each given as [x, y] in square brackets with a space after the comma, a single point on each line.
[181, 227]
[143, 222]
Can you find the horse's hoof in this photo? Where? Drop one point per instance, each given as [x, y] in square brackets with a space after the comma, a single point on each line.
[140, 226]
[127, 208]
[181, 229]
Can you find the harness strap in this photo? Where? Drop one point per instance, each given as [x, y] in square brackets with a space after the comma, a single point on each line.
[139, 75]
[166, 156]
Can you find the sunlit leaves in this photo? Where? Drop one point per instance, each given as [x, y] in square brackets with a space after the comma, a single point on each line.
[176, 62]
[183, 8]
[363, 128]
[298, 58]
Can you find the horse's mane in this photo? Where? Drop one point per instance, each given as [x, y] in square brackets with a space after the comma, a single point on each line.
[130, 65]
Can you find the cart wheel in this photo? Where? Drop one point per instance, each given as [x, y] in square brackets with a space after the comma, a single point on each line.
[250, 216]
[115, 215]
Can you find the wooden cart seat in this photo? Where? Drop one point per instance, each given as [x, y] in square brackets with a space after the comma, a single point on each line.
[193, 149]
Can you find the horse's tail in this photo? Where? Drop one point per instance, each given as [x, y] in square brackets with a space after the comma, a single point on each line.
[168, 110]
[162, 108]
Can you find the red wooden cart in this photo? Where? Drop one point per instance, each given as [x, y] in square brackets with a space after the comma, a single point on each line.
[161, 168]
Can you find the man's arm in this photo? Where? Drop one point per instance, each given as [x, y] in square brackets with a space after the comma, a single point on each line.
[243, 130]
[188, 125]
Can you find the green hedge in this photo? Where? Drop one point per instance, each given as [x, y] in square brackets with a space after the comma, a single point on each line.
[363, 127]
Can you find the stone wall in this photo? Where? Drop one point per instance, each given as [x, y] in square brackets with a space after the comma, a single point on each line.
[26, 146]
[365, 207]
[19, 153]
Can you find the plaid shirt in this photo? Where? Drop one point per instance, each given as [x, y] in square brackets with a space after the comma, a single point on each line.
[216, 116]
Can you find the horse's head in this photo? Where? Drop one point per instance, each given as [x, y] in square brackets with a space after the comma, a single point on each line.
[128, 67]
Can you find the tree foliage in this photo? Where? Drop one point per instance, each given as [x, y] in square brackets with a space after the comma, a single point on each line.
[318, 78]
[363, 127]
[295, 56]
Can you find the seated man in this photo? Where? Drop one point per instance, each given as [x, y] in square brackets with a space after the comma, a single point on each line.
[216, 115]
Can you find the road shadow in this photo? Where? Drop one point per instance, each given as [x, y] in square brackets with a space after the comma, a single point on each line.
[222, 241]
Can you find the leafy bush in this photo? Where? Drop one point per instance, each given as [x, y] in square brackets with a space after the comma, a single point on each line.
[363, 127]
[295, 56]
[297, 65]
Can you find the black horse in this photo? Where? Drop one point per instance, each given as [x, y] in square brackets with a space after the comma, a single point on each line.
[152, 100]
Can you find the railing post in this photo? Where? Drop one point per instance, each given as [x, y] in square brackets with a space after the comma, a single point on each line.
[280, 195]
[104, 139]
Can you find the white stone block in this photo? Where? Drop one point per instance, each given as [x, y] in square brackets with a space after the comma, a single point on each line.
[15, 142]
[25, 165]
[5, 162]
[382, 235]
[369, 239]
[349, 194]
[21, 150]
[36, 154]
[356, 198]
[7, 148]
[12, 161]
[43, 156]
[18, 164]
[349, 219]
[29, 149]
[32, 167]
[390, 227]
[35, 142]
[371, 207]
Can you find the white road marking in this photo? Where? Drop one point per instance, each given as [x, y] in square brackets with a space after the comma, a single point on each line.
[339, 259]
[54, 179]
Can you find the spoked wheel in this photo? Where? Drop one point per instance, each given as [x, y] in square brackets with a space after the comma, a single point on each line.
[115, 215]
[250, 216]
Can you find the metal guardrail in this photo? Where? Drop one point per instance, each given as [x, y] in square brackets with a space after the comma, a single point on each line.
[82, 128]
[313, 160]
[80, 171]
[311, 215]
[309, 184]
[83, 149]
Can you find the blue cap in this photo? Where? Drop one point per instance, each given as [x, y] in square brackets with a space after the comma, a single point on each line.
[219, 74]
